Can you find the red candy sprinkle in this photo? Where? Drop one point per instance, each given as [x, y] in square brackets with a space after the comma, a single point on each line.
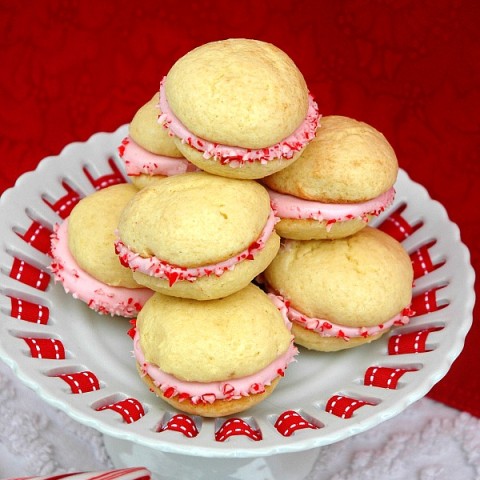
[131, 331]
[257, 388]
[183, 396]
[169, 392]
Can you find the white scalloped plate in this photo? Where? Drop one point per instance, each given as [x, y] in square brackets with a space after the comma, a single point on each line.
[100, 344]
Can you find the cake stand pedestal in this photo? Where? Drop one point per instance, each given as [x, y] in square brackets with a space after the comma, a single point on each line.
[172, 466]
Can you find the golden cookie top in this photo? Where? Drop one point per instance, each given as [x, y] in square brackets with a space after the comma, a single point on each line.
[362, 280]
[91, 234]
[149, 134]
[212, 340]
[195, 219]
[238, 92]
[348, 161]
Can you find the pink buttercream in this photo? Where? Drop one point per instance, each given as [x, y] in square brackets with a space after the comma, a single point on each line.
[238, 156]
[140, 161]
[327, 328]
[198, 392]
[99, 296]
[289, 206]
[156, 267]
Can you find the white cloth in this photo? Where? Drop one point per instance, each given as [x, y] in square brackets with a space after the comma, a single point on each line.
[428, 441]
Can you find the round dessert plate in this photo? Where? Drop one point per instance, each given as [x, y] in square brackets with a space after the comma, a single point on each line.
[81, 362]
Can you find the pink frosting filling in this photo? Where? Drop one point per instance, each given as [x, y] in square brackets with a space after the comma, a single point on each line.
[238, 156]
[327, 328]
[99, 296]
[139, 161]
[199, 392]
[289, 206]
[155, 267]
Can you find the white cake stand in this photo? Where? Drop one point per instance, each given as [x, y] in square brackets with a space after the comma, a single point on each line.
[331, 392]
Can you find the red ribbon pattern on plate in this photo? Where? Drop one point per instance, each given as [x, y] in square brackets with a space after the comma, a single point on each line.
[288, 422]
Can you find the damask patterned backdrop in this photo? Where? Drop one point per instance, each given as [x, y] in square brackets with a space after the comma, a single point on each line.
[410, 68]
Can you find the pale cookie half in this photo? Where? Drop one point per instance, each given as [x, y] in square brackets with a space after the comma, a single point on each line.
[91, 234]
[238, 92]
[148, 133]
[84, 259]
[347, 162]
[219, 408]
[350, 288]
[213, 357]
[248, 170]
[238, 108]
[342, 180]
[149, 152]
[198, 235]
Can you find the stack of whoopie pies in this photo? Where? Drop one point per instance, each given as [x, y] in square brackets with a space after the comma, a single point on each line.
[236, 180]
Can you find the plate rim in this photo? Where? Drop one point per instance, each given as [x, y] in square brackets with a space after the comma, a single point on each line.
[254, 450]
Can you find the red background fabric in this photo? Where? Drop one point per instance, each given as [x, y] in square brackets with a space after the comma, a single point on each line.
[409, 68]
